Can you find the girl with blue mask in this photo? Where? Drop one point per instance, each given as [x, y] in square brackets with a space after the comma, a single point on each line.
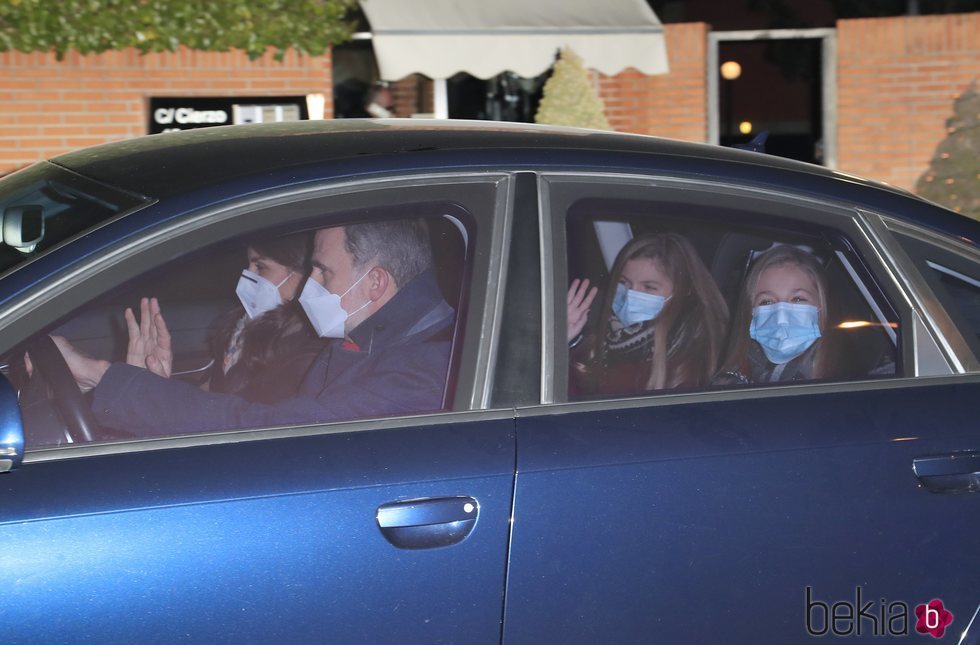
[660, 325]
[783, 309]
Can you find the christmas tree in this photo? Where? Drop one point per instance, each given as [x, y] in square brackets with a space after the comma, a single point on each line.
[953, 178]
[569, 98]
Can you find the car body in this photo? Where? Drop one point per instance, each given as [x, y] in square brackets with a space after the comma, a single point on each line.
[521, 511]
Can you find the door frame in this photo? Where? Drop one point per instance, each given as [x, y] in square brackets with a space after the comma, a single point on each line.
[828, 55]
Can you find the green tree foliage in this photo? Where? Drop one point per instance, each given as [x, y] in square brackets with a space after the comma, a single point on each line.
[95, 26]
[569, 98]
[953, 178]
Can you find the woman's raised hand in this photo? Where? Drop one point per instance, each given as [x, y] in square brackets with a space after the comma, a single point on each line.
[149, 340]
[580, 298]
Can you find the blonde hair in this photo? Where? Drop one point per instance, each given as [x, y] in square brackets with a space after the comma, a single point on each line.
[779, 256]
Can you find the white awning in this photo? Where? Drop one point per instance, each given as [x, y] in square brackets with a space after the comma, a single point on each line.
[439, 38]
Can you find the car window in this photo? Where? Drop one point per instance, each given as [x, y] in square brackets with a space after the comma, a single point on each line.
[346, 316]
[672, 296]
[953, 273]
[963, 294]
[44, 205]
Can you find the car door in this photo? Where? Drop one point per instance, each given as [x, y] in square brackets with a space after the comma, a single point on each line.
[368, 530]
[745, 514]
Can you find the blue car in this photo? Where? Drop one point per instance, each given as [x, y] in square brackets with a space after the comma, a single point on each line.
[547, 385]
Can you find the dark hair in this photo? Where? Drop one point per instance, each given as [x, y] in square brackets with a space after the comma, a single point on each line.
[264, 337]
[782, 255]
[689, 333]
[292, 251]
[400, 247]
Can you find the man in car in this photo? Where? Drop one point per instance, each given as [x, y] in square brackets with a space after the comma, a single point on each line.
[372, 288]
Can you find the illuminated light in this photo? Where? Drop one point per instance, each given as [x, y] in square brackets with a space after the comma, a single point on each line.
[858, 324]
[315, 105]
[730, 70]
[467, 508]
[944, 155]
[745, 127]
[905, 439]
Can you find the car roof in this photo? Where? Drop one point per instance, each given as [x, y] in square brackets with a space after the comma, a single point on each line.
[257, 156]
[157, 165]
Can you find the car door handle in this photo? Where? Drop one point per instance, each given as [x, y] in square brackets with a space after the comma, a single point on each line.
[957, 472]
[429, 522]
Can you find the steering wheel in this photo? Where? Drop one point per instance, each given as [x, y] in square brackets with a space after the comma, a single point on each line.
[66, 396]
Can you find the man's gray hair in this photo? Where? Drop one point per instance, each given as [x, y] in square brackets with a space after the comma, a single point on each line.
[401, 247]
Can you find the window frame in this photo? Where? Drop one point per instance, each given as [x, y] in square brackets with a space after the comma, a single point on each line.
[513, 378]
[905, 245]
[559, 190]
[214, 224]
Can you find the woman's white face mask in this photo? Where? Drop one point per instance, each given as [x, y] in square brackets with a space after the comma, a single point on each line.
[257, 294]
[324, 310]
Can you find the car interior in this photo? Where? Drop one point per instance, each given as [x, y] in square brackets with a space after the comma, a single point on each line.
[197, 289]
[40, 212]
[860, 317]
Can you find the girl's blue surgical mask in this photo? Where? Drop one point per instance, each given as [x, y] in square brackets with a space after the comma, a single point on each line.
[632, 307]
[784, 330]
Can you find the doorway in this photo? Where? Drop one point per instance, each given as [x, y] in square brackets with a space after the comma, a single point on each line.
[779, 85]
[504, 97]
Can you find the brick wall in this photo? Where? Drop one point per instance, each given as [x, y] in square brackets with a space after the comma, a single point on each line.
[412, 94]
[896, 81]
[48, 106]
[897, 78]
[671, 105]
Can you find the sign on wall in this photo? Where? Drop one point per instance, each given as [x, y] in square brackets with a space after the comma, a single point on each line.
[169, 114]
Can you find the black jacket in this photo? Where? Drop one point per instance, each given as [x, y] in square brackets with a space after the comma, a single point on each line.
[277, 380]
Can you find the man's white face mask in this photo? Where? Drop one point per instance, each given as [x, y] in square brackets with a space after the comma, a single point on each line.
[324, 310]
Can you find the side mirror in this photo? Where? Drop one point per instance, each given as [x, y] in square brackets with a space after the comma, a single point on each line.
[23, 227]
[11, 428]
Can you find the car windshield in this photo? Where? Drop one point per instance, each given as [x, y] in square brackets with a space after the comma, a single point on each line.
[45, 204]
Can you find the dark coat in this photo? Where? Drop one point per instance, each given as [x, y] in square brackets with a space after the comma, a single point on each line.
[620, 367]
[277, 380]
[398, 364]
